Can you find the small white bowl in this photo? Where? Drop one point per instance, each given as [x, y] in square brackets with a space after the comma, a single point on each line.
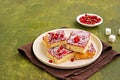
[89, 25]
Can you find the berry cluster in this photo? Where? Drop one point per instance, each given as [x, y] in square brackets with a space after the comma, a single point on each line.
[90, 19]
[61, 50]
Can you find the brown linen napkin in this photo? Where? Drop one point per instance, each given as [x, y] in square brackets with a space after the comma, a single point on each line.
[72, 74]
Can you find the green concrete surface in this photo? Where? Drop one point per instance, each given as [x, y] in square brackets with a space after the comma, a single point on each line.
[21, 21]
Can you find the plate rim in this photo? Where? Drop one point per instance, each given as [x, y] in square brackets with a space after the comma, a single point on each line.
[60, 66]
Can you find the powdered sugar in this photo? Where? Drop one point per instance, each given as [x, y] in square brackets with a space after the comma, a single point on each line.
[59, 53]
[84, 37]
[56, 36]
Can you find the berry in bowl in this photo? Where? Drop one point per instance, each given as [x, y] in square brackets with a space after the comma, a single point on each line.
[89, 20]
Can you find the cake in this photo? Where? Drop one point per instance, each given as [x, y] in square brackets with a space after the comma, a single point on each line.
[53, 39]
[77, 45]
[59, 54]
[78, 41]
[89, 53]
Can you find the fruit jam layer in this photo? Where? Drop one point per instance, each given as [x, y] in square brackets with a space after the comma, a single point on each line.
[79, 38]
[59, 52]
[56, 36]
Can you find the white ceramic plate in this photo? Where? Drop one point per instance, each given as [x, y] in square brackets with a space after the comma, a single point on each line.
[89, 25]
[39, 51]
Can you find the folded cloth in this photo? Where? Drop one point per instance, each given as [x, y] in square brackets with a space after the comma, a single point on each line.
[83, 73]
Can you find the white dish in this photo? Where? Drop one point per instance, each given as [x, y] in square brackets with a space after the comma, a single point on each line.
[89, 25]
[39, 51]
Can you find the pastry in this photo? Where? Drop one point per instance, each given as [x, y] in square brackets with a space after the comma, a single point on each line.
[89, 53]
[78, 41]
[53, 39]
[59, 54]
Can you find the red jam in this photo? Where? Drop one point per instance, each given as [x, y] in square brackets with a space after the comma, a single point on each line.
[90, 19]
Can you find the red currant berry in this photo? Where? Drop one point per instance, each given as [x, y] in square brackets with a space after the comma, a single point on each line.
[94, 17]
[76, 39]
[59, 54]
[64, 51]
[50, 61]
[58, 50]
[52, 34]
[72, 59]
[56, 36]
[98, 20]
[61, 35]
[83, 19]
[61, 47]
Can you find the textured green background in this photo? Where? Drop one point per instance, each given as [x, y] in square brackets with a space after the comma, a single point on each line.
[21, 21]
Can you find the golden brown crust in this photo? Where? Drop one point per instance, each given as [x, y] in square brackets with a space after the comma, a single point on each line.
[84, 55]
